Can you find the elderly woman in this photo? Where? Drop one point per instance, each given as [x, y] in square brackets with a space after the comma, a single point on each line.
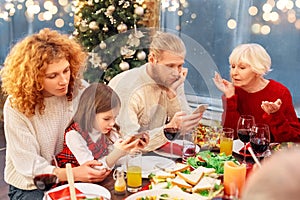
[250, 93]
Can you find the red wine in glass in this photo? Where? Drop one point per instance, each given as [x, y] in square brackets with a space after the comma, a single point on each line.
[260, 138]
[259, 145]
[45, 182]
[171, 133]
[188, 151]
[244, 135]
[244, 127]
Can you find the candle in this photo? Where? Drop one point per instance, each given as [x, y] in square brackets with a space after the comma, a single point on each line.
[234, 178]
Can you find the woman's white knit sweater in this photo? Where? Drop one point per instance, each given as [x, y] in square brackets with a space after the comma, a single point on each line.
[27, 138]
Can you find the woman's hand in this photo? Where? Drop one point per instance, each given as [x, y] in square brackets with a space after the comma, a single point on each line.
[224, 86]
[87, 173]
[271, 107]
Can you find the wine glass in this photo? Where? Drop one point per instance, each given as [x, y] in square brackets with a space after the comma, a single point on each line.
[171, 134]
[189, 146]
[244, 127]
[43, 180]
[260, 138]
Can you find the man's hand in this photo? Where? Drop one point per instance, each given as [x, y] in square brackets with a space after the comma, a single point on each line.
[173, 88]
[184, 122]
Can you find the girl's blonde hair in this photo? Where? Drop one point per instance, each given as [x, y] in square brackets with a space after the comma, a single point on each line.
[24, 68]
[252, 54]
[163, 41]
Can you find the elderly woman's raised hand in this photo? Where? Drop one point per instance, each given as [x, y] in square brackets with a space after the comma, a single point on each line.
[223, 85]
[271, 107]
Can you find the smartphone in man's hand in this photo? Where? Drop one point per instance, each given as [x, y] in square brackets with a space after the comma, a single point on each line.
[200, 108]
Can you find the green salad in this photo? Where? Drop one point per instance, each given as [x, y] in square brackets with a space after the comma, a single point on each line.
[210, 160]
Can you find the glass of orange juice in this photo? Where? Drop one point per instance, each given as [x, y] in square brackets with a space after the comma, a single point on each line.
[234, 179]
[134, 171]
[226, 140]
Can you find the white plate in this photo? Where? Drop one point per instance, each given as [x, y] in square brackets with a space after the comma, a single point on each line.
[88, 188]
[178, 193]
[180, 142]
[149, 164]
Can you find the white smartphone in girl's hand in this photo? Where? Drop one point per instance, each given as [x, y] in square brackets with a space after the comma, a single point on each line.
[200, 108]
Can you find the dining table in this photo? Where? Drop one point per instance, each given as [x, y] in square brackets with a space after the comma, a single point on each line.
[108, 183]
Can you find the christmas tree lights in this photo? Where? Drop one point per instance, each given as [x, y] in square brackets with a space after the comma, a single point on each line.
[111, 32]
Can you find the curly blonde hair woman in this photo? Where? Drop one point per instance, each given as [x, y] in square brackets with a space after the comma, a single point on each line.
[26, 64]
[41, 77]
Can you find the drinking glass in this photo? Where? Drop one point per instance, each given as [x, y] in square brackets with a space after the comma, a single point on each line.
[189, 146]
[260, 138]
[226, 140]
[234, 179]
[134, 171]
[171, 134]
[244, 127]
[43, 180]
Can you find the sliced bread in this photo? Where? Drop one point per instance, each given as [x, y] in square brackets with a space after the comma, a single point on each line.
[177, 168]
[181, 182]
[206, 183]
[163, 174]
[192, 179]
[204, 170]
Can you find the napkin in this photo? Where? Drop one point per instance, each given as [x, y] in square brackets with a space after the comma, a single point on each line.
[241, 152]
[62, 193]
[177, 149]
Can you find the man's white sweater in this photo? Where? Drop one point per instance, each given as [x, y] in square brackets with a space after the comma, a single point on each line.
[145, 105]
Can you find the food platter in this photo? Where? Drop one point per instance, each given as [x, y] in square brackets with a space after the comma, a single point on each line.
[174, 193]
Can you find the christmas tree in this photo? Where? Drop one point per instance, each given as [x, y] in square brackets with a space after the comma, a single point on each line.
[111, 32]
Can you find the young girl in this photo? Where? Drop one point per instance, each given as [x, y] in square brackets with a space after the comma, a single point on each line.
[93, 133]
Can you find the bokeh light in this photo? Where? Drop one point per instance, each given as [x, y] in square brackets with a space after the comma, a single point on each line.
[265, 29]
[231, 24]
[253, 11]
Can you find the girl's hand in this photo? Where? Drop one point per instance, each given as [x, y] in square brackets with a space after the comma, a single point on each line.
[271, 107]
[224, 86]
[144, 140]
